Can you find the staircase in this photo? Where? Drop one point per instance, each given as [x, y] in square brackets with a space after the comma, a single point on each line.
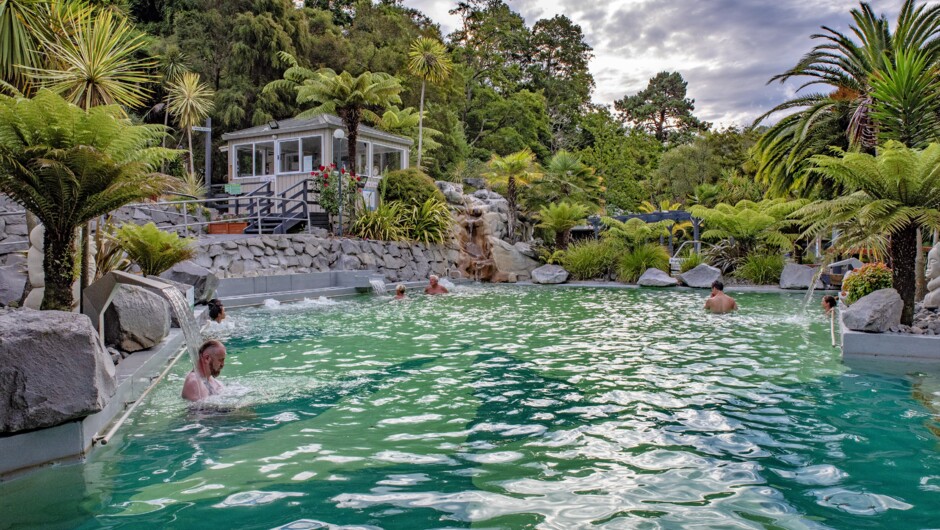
[281, 213]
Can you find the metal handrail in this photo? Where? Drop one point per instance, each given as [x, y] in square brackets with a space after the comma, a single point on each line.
[255, 215]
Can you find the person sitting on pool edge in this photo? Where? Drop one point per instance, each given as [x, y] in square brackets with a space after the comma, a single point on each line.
[201, 382]
[719, 302]
[216, 310]
[434, 287]
[400, 292]
[829, 303]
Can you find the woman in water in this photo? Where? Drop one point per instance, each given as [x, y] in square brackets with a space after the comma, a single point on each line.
[828, 303]
[216, 310]
[400, 292]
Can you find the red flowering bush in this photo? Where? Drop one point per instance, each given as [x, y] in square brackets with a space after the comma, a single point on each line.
[326, 182]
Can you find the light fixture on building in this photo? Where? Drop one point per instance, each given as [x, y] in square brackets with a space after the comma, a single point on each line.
[273, 124]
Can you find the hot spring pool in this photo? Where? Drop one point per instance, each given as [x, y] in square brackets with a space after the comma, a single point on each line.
[515, 407]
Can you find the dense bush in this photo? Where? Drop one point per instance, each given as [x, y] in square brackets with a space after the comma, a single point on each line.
[152, 249]
[693, 260]
[866, 280]
[428, 222]
[591, 259]
[384, 223]
[634, 263]
[409, 186]
[726, 256]
[761, 269]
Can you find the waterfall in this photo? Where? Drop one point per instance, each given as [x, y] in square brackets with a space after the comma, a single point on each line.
[378, 286]
[184, 315]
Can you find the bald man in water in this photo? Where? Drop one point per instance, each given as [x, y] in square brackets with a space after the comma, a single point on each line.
[201, 382]
[719, 302]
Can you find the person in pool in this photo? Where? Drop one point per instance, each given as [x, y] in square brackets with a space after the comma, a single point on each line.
[828, 303]
[719, 302]
[434, 287]
[201, 382]
[400, 292]
[216, 310]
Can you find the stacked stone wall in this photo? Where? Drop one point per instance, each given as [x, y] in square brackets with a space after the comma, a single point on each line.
[302, 253]
[13, 233]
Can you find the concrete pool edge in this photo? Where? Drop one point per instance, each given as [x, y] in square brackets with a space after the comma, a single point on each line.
[888, 346]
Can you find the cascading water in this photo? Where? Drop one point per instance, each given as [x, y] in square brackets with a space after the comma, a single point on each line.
[378, 286]
[184, 315]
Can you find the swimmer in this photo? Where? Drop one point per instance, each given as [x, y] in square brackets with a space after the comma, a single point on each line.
[434, 287]
[201, 382]
[719, 302]
[400, 292]
[216, 310]
[828, 303]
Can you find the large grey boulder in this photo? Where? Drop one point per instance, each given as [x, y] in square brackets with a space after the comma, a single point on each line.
[137, 319]
[795, 276]
[12, 283]
[52, 369]
[701, 277]
[875, 312]
[452, 191]
[203, 281]
[511, 265]
[656, 278]
[549, 274]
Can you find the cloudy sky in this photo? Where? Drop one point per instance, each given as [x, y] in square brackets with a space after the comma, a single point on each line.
[727, 50]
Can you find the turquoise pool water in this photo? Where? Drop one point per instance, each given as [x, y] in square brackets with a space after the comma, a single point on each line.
[516, 407]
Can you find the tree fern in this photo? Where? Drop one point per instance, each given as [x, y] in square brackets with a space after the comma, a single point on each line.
[152, 249]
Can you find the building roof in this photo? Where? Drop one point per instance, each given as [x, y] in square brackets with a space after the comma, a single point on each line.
[323, 121]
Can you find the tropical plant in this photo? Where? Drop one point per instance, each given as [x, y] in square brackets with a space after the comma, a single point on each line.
[109, 256]
[513, 170]
[190, 101]
[560, 218]
[749, 224]
[679, 228]
[726, 255]
[428, 222]
[866, 280]
[190, 185]
[591, 259]
[352, 98]
[99, 62]
[67, 165]
[693, 260]
[427, 60]
[888, 197]
[384, 223]
[566, 178]
[635, 262]
[704, 195]
[761, 269]
[632, 232]
[152, 249]
[858, 106]
[406, 123]
[410, 186]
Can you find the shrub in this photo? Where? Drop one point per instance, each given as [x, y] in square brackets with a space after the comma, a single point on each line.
[110, 256]
[866, 280]
[591, 259]
[761, 269]
[410, 186]
[726, 256]
[693, 260]
[634, 263]
[384, 223]
[429, 222]
[152, 249]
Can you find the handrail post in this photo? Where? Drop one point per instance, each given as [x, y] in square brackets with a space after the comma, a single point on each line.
[185, 219]
[258, 211]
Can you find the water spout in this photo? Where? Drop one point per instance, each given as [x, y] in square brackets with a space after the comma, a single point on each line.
[378, 286]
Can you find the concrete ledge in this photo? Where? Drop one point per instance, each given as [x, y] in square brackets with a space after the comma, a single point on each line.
[893, 346]
[236, 292]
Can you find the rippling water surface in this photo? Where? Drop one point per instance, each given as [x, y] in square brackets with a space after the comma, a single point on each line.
[501, 407]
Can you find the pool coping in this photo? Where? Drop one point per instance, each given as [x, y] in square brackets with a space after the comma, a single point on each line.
[888, 346]
[728, 288]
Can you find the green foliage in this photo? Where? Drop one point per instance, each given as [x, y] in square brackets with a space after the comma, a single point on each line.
[565, 178]
[761, 269]
[410, 186]
[384, 223]
[152, 249]
[749, 224]
[866, 280]
[109, 256]
[662, 108]
[560, 218]
[726, 255]
[428, 222]
[691, 261]
[631, 233]
[327, 185]
[591, 259]
[634, 263]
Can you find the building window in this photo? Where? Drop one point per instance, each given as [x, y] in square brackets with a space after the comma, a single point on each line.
[311, 152]
[254, 160]
[341, 156]
[300, 154]
[385, 159]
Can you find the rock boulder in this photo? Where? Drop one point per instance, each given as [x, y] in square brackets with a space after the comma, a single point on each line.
[796, 276]
[203, 281]
[510, 264]
[701, 277]
[656, 278]
[137, 319]
[549, 274]
[875, 312]
[52, 369]
[12, 283]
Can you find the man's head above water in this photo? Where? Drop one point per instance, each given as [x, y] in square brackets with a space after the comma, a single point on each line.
[211, 358]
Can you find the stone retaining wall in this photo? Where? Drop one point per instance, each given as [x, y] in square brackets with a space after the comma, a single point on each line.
[268, 255]
[13, 237]
[170, 217]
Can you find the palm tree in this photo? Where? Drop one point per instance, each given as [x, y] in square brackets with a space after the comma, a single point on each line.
[841, 116]
[560, 218]
[427, 60]
[98, 63]
[67, 165]
[513, 170]
[566, 177]
[890, 196]
[190, 101]
[352, 98]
